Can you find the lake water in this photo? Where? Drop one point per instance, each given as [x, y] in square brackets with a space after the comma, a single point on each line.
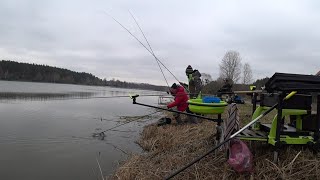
[46, 129]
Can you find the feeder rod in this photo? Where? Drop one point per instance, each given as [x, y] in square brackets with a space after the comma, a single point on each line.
[151, 52]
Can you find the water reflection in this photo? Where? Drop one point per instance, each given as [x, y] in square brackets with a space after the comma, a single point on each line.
[38, 132]
[44, 96]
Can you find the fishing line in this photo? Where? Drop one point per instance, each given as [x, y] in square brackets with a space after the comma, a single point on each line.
[164, 95]
[146, 95]
[102, 132]
[117, 148]
[129, 131]
[100, 169]
[142, 45]
[94, 174]
[149, 47]
[103, 119]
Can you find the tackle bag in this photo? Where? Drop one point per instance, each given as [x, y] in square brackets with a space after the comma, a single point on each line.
[240, 157]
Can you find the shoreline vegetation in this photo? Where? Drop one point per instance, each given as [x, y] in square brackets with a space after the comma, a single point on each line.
[16, 71]
[25, 72]
[170, 147]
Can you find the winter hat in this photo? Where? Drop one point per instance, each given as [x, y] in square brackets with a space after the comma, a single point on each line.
[189, 70]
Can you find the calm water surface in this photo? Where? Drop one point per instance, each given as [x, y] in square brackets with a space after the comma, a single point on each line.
[46, 129]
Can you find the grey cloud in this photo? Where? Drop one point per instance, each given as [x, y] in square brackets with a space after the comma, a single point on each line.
[270, 35]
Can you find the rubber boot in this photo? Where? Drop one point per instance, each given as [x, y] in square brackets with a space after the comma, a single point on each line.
[178, 119]
[193, 120]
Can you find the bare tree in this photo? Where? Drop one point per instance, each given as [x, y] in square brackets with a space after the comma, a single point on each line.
[247, 74]
[230, 66]
[205, 78]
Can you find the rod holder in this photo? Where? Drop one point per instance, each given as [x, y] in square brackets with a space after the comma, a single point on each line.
[134, 98]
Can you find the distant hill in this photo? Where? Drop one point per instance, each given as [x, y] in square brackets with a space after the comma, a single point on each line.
[16, 71]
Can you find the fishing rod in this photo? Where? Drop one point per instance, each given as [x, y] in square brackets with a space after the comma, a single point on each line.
[134, 98]
[110, 97]
[122, 96]
[142, 45]
[146, 95]
[166, 95]
[231, 137]
[149, 47]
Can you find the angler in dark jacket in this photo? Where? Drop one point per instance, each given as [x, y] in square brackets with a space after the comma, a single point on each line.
[226, 88]
[194, 80]
[197, 82]
[190, 86]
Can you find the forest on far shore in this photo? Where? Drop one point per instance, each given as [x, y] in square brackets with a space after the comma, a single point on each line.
[16, 71]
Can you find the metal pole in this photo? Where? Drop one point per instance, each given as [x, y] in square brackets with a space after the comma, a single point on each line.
[254, 102]
[317, 132]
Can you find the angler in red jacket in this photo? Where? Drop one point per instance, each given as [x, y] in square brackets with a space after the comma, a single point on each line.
[180, 101]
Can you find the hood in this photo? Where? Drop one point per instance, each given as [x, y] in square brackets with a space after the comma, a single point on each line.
[180, 89]
[196, 73]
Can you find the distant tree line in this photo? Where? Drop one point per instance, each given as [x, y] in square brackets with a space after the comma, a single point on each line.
[124, 84]
[213, 86]
[231, 69]
[261, 82]
[16, 71]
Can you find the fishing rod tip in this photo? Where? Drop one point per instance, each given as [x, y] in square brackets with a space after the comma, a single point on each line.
[134, 96]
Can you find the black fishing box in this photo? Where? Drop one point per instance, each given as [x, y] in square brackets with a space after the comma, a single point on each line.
[293, 82]
[309, 122]
[298, 101]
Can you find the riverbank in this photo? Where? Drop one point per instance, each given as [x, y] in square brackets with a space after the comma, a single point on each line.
[167, 148]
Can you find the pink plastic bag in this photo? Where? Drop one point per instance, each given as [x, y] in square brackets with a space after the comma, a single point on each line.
[240, 157]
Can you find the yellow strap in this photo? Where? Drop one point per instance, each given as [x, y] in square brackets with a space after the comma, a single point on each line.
[290, 95]
[252, 88]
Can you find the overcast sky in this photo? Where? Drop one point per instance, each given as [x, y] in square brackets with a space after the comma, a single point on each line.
[272, 36]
